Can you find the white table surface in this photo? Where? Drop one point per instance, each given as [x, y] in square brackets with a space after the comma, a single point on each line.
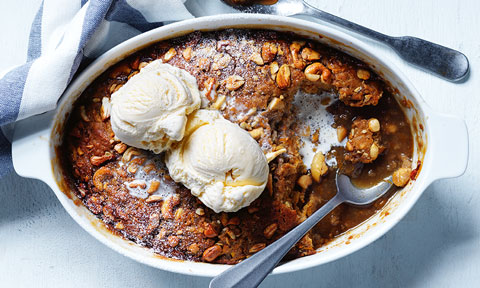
[436, 245]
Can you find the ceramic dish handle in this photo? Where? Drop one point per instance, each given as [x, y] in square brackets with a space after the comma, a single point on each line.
[448, 137]
[31, 150]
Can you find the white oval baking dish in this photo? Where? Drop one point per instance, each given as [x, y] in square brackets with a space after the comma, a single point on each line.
[441, 142]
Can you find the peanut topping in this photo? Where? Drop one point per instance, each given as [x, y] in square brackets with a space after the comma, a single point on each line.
[257, 58]
[304, 181]
[363, 74]
[318, 167]
[187, 54]
[256, 133]
[341, 133]
[316, 71]
[257, 247]
[170, 54]
[120, 147]
[212, 253]
[270, 230]
[401, 177]
[273, 70]
[374, 125]
[310, 54]
[269, 51]
[234, 82]
[283, 77]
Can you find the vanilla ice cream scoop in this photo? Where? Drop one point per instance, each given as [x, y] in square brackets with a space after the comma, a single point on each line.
[150, 110]
[219, 162]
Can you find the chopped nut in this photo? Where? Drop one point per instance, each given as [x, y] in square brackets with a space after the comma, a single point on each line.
[257, 247]
[106, 108]
[349, 146]
[272, 155]
[153, 187]
[173, 240]
[224, 219]
[233, 221]
[304, 181]
[83, 114]
[318, 167]
[269, 186]
[132, 168]
[119, 226]
[209, 85]
[230, 234]
[363, 74]
[187, 54]
[203, 64]
[153, 222]
[283, 77]
[194, 248]
[374, 125]
[401, 176]
[341, 133]
[200, 211]
[257, 58]
[244, 125]
[169, 55]
[374, 151]
[167, 206]
[142, 65]
[178, 213]
[154, 198]
[140, 185]
[129, 153]
[295, 51]
[119, 70]
[212, 253]
[270, 230]
[114, 88]
[98, 160]
[79, 151]
[296, 46]
[132, 74]
[317, 71]
[219, 102]
[209, 231]
[310, 54]
[222, 43]
[276, 104]
[256, 133]
[100, 176]
[234, 82]
[269, 51]
[120, 147]
[221, 61]
[273, 70]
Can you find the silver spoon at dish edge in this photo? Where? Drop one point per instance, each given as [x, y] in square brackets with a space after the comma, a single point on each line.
[251, 272]
[443, 62]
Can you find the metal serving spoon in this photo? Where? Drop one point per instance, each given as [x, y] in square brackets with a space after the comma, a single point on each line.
[444, 62]
[251, 271]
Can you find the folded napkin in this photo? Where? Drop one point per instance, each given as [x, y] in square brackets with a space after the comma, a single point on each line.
[64, 35]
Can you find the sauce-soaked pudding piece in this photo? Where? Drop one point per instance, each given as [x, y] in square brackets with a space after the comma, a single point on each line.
[267, 83]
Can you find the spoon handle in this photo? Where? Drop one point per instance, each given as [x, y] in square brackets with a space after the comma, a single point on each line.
[250, 272]
[444, 62]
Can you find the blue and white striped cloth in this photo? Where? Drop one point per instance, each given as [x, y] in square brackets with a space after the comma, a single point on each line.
[65, 34]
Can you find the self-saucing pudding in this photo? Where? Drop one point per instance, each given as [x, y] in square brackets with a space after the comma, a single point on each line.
[210, 146]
